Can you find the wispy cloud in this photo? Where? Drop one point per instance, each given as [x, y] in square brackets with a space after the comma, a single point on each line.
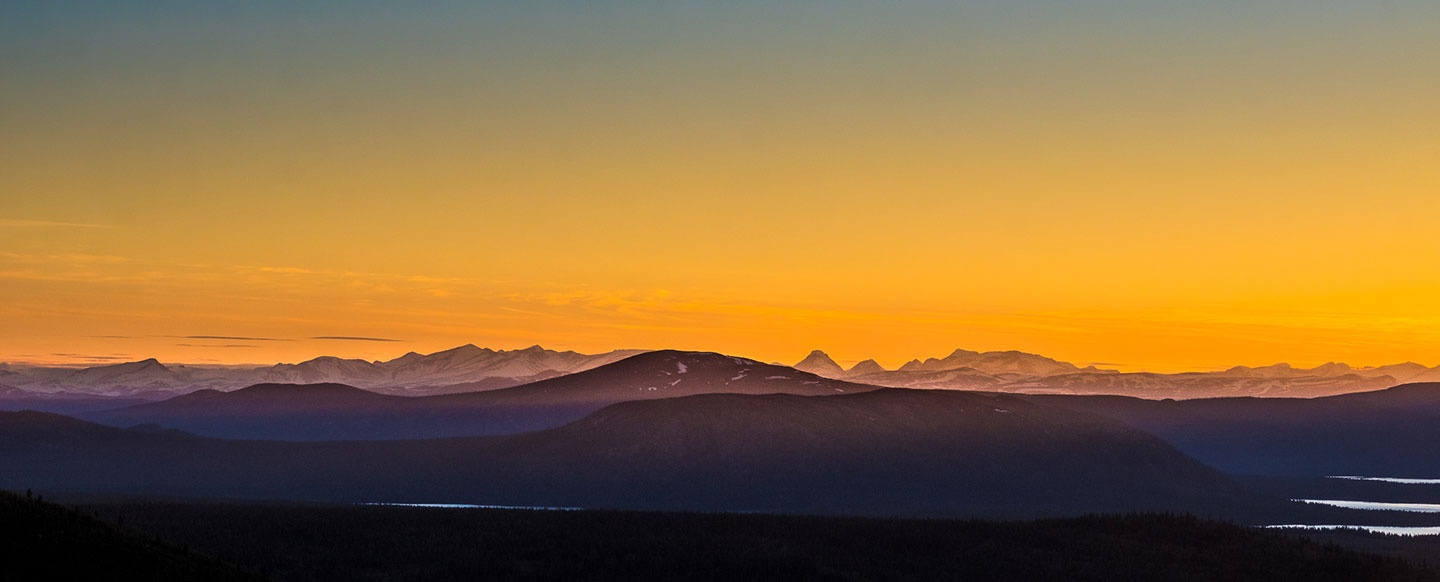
[289, 270]
[19, 223]
[217, 346]
[62, 258]
[233, 338]
[91, 357]
[356, 339]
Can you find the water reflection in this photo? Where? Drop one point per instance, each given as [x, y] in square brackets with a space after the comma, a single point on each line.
[1376, 505]
[469, 506]
[1385, 529]
[1387, 479]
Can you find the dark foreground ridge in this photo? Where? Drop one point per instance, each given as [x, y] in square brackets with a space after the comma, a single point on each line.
[884, 452]
[45, 541]
[1383, 433]
[343, 543]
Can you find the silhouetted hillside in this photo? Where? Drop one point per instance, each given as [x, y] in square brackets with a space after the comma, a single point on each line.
[1381, 433]
[44, 541]
[336, 412]
[324, 543]
[883, 452]
[887, 451]
[665, 374]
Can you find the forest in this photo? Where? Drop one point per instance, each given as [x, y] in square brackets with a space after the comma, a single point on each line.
[178, 539]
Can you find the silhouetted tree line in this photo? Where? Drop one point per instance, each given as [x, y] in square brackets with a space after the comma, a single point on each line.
[300, 542]
[42, 541]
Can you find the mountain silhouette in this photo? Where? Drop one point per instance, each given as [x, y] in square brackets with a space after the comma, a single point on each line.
[45, 541]
[889, 451]
[863, 368]
[819, 363]
[1370, 433]
[335, 411]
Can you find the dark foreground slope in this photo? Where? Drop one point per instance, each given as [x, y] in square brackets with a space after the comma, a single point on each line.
[340, 412]
[323, 543]
[890, 452]
[1382, 433]
[44, 541]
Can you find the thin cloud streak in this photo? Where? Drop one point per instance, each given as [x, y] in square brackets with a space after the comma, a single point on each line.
[233, 338]
[90, 357]
[356, 339]
[19, 223]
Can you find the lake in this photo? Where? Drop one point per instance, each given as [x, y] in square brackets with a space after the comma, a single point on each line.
[1376, 506]
[1385, 529]
[469, 506]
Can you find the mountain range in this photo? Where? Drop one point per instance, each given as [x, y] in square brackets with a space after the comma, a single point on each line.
[705, 431]
[462, 369]
[337, 411]
[891, 451]
[1020, 372]
[470, 368]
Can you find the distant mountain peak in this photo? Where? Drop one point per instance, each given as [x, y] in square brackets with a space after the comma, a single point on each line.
[148, 365]
[465, 349]
[1332, 369]
[997, 362]
[697, 356]
[865, 367]
[912, 365]
[819, 363]
[1285, 370]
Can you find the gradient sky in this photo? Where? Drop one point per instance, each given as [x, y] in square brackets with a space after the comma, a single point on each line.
[1156, 185]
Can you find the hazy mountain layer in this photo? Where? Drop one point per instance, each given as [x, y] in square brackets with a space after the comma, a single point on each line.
[1032, 374]
[469, 368]
[1386, 433]
[884, 452]
[455, 370]
[336, 411]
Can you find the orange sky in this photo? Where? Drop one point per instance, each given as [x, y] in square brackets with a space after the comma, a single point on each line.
[1157, 188]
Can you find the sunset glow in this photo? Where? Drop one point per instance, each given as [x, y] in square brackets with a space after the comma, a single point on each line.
[1145, 186]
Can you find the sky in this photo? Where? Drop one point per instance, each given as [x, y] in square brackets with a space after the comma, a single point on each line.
[1147, 185]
